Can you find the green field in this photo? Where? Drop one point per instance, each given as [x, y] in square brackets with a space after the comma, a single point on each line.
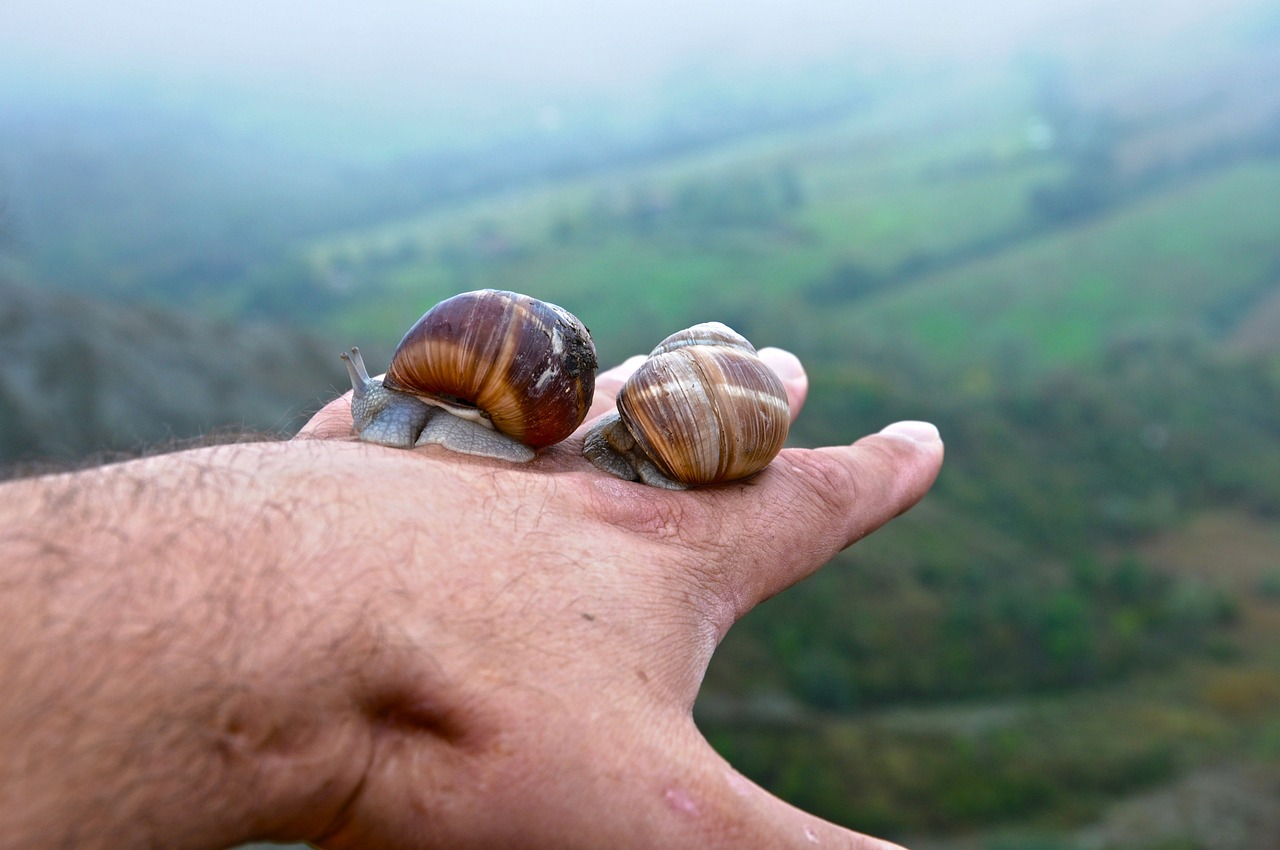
[1195, 259]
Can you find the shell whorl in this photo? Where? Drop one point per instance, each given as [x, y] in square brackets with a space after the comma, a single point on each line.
[528, 366]
[704, 408]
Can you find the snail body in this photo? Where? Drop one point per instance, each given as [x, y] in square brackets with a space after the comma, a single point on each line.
[702, 409]
[489, 373]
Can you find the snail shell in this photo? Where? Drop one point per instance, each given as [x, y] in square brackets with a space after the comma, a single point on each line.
[702, 409]
[527, 366]
[495, 359]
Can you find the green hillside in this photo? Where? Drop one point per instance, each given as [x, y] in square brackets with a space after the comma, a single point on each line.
[739, 232]
[1197, 258]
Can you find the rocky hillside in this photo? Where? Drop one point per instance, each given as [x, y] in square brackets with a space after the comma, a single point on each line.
[82, 377]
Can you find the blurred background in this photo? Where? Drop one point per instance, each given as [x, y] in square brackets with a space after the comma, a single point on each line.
[1053, 228]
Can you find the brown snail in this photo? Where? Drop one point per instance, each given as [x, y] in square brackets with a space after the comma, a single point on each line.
[702, 409]
[489, 373]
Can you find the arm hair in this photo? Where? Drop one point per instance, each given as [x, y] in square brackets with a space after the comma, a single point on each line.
[143, 606]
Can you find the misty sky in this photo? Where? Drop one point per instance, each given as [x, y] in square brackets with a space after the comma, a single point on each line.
[513, 44]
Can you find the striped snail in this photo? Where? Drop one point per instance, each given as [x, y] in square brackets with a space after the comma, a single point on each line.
[702, 409]
[489, 373]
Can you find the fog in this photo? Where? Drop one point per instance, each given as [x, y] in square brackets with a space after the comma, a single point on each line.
[503, 48]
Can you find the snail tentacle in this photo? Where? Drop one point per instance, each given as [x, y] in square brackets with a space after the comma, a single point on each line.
[381, 415]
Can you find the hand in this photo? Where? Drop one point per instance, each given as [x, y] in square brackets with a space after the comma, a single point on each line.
[569, 628]
[365, 647]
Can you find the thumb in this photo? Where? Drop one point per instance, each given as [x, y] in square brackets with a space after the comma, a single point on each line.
[811, 503]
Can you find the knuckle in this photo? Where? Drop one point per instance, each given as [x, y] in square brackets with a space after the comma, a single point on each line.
[822, 482]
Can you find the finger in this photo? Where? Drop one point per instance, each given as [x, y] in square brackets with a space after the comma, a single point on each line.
[762, 820]
[696, 799]
[810, 504]
[794, 380]
[678, 793]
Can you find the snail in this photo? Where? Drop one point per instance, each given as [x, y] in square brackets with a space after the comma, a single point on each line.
[488, 373]
[702, 409]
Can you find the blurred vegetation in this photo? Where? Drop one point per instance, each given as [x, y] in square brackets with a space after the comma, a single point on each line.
[1079, 282]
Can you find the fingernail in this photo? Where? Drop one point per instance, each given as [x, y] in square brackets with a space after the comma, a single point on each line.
[920, 432]
[787, 366]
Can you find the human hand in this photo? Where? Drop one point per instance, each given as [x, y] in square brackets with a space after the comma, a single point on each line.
[550, 627]
[331, 641]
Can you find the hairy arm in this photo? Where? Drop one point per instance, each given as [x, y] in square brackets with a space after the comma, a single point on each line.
[161, 643]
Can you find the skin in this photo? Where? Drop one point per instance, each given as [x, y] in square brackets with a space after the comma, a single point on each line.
[357, 646]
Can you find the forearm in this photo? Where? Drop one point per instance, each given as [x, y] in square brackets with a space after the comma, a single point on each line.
[158, 690]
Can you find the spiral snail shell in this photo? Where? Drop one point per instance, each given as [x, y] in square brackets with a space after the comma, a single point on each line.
[702, 409]
[490, 373]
